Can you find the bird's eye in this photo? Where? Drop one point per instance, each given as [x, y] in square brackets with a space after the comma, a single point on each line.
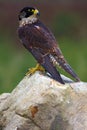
[32, 10]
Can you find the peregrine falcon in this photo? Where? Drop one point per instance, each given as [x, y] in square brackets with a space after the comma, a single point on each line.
[41, 43]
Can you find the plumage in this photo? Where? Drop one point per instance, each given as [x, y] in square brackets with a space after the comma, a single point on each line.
[40, 41]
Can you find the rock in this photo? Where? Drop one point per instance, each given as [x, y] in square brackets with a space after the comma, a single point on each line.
[41, 103]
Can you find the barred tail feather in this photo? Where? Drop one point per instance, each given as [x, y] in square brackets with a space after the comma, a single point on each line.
[63, 63]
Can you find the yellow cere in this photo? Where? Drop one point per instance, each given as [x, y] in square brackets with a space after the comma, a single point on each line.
[36, 11]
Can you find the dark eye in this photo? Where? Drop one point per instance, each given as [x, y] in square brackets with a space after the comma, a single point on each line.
[26, 12]
[32, 10]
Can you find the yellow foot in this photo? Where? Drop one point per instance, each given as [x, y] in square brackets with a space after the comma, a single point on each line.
[37, 68]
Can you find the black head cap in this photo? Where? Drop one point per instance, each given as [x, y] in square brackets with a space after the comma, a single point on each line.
[27, 12]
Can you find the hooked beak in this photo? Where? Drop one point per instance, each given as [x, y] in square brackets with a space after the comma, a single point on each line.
[36, 12]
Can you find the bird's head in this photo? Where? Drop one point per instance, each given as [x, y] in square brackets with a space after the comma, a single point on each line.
[28, 15]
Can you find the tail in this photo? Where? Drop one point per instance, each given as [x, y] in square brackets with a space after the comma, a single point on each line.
[63, 63]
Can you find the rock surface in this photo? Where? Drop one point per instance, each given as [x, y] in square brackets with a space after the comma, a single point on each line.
[40, 103]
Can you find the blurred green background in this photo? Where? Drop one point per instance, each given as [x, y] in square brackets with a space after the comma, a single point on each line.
[67, 20]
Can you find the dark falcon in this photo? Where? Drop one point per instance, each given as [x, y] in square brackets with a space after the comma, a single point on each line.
[40, 41]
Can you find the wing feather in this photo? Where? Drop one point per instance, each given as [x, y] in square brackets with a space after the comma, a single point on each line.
[38, 36]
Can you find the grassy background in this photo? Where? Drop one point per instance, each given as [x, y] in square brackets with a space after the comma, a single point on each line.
[69, 28]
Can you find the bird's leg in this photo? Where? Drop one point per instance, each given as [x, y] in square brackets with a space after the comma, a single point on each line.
[38, 67]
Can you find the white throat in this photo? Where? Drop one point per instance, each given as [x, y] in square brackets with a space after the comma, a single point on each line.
[28, 20]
